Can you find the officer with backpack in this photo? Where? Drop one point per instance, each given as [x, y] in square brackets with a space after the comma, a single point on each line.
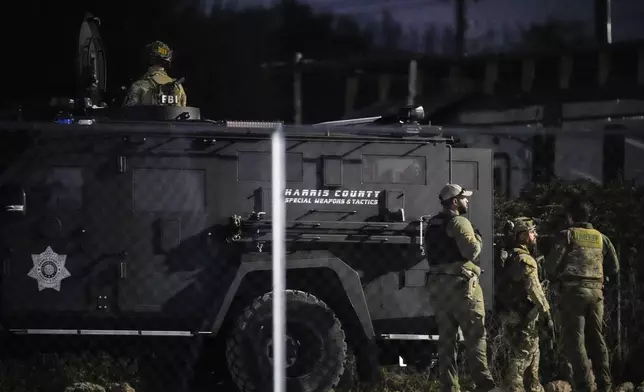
[155, 87]
[521, 303]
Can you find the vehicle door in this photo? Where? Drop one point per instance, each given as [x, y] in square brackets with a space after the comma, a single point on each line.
[61, 248]
[164, 231]
[402, 295]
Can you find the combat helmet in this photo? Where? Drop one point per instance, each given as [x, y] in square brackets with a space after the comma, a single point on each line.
[157, 50]
[511, 229]
[519, 225]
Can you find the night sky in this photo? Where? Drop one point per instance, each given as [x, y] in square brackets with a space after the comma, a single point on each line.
[628, 15]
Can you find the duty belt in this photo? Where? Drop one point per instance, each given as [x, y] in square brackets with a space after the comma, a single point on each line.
[582, 284]
[463, 273]
[454, 275]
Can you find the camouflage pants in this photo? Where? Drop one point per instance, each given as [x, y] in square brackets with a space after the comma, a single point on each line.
[457, 306]
[523, 356]
[582, 325]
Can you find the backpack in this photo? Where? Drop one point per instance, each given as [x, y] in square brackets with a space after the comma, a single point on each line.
[508, 292]
[167, 94]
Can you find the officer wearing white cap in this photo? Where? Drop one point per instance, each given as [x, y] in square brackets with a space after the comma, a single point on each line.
[452, 246]
[451, 191]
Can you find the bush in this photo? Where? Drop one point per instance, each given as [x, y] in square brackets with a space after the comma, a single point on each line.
[55, 372]
[618, 212]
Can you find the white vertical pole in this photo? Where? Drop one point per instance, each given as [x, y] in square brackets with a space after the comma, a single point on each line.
[278, 227]
[609, 21]
[412, 82]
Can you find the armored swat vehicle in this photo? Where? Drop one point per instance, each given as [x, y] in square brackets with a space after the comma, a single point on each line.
[162, 227]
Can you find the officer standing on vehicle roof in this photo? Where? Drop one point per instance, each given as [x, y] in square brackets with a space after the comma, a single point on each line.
[522, 301]
[578, 263]
[155, 86]
[452, 245]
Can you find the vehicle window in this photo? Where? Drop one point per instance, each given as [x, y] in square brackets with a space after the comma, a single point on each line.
[384, 169]
[12, 198]
[169, 190]
[256, 166]
[466, 174]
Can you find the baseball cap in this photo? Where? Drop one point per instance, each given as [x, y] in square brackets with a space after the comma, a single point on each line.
[452, 190]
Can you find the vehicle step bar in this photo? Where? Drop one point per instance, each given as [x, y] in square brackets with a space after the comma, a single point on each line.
[404, 336]
[105, 332]
[125, 332]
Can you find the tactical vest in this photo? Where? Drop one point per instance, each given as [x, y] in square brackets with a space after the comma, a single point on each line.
[511, 293]
[584, 257]
[167, 94]
[439, 247]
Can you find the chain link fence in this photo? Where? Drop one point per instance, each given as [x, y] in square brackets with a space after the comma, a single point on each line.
[147, 255]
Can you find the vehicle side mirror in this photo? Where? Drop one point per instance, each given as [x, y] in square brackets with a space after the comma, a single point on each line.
[13, 200]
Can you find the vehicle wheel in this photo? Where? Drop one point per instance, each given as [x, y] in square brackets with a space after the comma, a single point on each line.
[316, 349]
[349, 379]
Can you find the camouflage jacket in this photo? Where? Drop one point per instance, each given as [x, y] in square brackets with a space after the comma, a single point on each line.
[143, 91]
[519, 286]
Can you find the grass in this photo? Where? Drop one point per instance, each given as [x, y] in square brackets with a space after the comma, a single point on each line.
[54, 372]
[397, 379]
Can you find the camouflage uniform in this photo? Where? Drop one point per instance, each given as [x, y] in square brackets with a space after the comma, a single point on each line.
[455, 293]
[144, 90]
[577, 262]
[523, 301]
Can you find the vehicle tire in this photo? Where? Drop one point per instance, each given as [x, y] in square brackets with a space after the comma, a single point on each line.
[316, 348]
[349, 379]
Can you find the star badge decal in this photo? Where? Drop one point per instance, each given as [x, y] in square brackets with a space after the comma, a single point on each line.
[49, 269]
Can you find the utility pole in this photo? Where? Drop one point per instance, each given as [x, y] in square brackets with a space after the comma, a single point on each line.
[460, 23]
[297, 88]
[604, 36]
[296, 67]
[603, 22]
[412, 82]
